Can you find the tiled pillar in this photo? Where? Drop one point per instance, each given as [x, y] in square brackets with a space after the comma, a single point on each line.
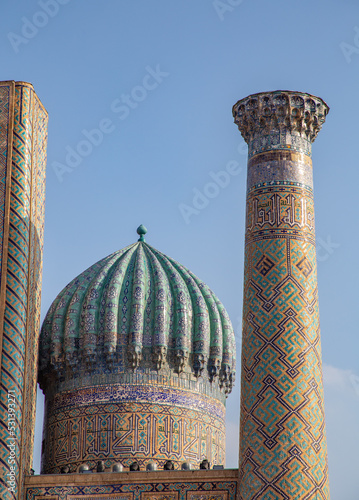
[23, 138]
[283, 453]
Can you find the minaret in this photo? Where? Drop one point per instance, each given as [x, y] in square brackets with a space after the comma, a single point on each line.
[23, 138]
[283, 452]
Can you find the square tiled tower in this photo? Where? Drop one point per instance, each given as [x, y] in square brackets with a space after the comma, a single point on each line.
[23, 139]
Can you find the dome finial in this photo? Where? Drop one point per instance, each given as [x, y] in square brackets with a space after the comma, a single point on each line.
[141, 230]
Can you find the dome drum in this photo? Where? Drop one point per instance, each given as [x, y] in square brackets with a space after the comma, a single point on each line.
[120, 423]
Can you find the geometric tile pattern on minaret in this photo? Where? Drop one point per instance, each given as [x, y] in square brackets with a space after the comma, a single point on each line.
[23, 137]
[283, 453]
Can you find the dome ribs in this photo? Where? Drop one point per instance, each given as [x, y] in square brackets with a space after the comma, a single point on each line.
[148, 320]
[227, 374]
[111, 320]
[124, 309]
[137, 311]
[161, 326]
[137, 315]
[201, 323]
[66, 323]
[69, 326]
[182, 310]
[49, 330]
[89, 330]
[215, 333]
[92, 308]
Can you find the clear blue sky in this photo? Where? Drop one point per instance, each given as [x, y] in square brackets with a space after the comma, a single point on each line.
[184, 64]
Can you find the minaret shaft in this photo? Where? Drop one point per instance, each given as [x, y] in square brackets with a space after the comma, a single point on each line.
[283, 451]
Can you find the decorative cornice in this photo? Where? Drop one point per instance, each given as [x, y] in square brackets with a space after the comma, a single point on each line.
[280, 120]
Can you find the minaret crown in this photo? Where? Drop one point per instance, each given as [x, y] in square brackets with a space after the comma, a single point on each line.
[280, 120]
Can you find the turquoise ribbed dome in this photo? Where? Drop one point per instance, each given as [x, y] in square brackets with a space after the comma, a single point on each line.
[137, 310]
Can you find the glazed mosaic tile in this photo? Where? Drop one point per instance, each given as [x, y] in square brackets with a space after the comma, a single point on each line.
[283, 450]
[137, 356]
[134, 300]
[190, 489]
[22, 191]
[143, 424]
